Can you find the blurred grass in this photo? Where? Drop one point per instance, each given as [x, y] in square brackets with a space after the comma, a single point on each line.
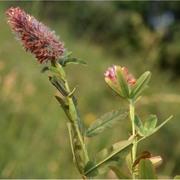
[34, 139]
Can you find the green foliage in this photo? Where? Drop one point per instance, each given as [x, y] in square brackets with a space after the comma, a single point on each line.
[106, 121]
[162, 124]
[122, 84]
[139, 125]
[149, 127]
[76, 148]
[140, 85]
[114, 86]
[156, 160]
[146, 170]
[108, 156]
[59, 85]
[73, 61]
[150, 124]
[119, 172]
[30, 124]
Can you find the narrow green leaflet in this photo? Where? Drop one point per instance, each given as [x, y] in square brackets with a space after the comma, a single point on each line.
[106, 121]
[146, 170]
[73, 61]
[66, 59]
[115, 87]
[106, 157]
[162, 124]
[150, 125]
[140, 85]
[123, 85]
[119, 172]
[59, 85]
[151, 122]
[139, 125]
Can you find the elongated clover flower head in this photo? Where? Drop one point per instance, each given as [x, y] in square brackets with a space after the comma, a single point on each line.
[35, 36]
[111, 74]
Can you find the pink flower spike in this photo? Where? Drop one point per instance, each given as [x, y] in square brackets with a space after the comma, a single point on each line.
[111, 74]
[35, 36]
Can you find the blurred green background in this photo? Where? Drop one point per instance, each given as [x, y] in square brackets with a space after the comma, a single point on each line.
[141, 36]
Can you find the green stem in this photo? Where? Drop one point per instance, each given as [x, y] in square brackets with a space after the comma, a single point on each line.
[73, 111]
[74, 117]
[134, 149]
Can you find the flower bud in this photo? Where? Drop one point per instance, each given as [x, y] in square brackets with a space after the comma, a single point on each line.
[111, 74]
